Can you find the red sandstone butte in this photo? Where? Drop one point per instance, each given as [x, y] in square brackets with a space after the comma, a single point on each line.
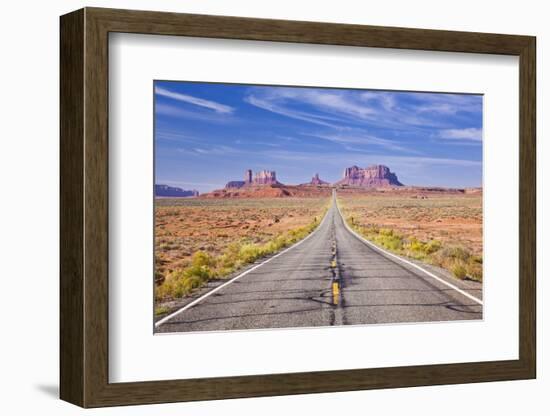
[374, 176]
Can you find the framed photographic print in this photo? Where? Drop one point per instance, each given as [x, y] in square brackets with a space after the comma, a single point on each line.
[255, 207]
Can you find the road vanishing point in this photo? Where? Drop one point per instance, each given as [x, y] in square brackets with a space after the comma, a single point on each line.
[332, 277]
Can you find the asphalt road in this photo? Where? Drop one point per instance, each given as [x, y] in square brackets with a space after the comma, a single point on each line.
[330, 278]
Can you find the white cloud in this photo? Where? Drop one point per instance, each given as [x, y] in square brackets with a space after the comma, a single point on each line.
[362, 138]
[218, 150]
[173, 111]
[212, 105]
[339, 108]
[173, 136]
[335, 102]
[461, 134]
[298, 115]
[338, 102]
[448, 104]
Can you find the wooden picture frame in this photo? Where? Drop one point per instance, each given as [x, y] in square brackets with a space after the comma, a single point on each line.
[84, 207]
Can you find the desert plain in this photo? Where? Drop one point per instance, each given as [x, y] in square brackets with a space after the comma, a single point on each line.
[213, 236]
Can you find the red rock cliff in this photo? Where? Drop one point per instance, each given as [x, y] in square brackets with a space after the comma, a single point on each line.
[373, 176]
[265, 177]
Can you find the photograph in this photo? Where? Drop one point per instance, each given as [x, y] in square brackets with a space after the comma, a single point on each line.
[290, 206]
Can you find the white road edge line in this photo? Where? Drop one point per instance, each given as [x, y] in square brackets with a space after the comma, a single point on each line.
[374, 246]
[201, 298]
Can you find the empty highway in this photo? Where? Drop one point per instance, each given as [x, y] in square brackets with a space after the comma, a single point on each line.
[332, 277]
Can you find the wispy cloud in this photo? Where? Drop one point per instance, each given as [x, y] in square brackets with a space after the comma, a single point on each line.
[257, 143]
[327, 108]
[446, 104]
[268, 105]
[335, 101]
[339, 109]
[174, 136]
[363, 138]
[178, 112]
[212, 105]
[217, 150]
[461, 134]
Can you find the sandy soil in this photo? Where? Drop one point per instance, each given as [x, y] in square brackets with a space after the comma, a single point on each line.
[184, 226]
[451, 217]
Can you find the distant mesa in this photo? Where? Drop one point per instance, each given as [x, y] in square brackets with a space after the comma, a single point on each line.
[171, 191]
[316, 181]
[261, 178]
[264, 184]
[374, 176]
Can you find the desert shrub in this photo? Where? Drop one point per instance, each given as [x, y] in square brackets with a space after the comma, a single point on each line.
[226, 262]
[421, 250]
[275, 245]
[249, 253]
[448, 256]
[229, 260]
[190, 278]
[373, 228]
[459, 270]
[390, 240]
[474, 271]
[164, 290]
[393, 243]
[161, 310]
[201, 272]
[194, 281]
[200, 258]
[181, 282]
[476, 259]
[415, 245]
[432, 246]
[457, 252]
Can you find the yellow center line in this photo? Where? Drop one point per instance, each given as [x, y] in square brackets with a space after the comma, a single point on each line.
[335, 293]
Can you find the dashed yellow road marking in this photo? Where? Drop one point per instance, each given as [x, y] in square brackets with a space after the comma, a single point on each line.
[335, 293]
[335, 286]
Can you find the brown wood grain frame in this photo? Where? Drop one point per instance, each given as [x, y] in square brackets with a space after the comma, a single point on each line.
[84, 213]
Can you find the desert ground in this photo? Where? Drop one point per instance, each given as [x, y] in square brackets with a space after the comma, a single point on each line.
[224, 234]
[211, 237]
[438, 227]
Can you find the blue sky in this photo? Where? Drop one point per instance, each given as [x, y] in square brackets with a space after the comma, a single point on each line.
[207, 134]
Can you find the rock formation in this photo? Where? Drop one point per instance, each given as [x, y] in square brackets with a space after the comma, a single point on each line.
[315, 181]
[170, 191]
[265, 177]
[261, 178]
[373, 176]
